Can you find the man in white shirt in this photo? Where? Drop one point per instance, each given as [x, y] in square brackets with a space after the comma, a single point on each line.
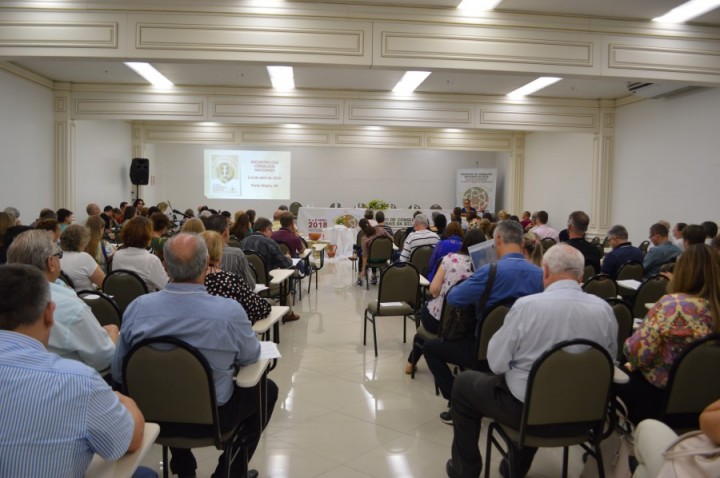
[534, 324]
[541, 229]
[76, 334]
[421, 237]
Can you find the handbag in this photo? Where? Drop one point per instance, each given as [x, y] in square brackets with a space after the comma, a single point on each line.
[461, 323]
[691, 455]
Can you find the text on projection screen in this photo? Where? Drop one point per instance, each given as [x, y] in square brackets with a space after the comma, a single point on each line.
[233, 174]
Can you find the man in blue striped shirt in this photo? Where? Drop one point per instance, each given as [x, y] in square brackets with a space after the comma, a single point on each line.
[55, 413]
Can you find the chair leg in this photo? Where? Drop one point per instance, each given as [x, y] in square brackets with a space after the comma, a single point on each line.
[365, 321]
[565, 462]
[599, 459]
[405, 317]
[374, 334]
[488, 448]
[166, 462]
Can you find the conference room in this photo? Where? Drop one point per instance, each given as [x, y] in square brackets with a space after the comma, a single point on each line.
[626, 134]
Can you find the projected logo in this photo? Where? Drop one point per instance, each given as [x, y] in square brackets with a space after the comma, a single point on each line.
[479, 197]
[225, 176]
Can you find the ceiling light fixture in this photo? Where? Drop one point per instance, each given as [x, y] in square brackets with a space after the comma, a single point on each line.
[147, 71]
[688, 11]
[474, 6]
[532, 87]
[282, 77]
[410, 81]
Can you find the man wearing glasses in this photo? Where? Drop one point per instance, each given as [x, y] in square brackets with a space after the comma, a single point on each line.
[76, 334]
[662, 252]
[622, 251]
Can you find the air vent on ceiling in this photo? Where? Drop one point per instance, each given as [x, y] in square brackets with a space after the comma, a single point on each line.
[655, 90]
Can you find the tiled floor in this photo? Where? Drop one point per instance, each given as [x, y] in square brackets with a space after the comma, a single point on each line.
[342, 412]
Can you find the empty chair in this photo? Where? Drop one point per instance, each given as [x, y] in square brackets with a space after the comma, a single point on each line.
[551, 419]
[547, 243]
[630, 270]
[124, 286]
[397, 295]
[601, 285]
[103, 307]
[436, 206]
[414, 206]
[399, 238]
[336, 204]
[649, 292]
[644, 245]
[623, 314]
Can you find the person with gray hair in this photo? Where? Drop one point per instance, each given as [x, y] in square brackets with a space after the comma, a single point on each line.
[622, 251]
[534, 324]
[218, 327]
[514, 277]
[76, 334]
[577, 226]
[34, 380]
[422, 236]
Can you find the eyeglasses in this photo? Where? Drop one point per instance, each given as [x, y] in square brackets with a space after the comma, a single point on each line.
[58, 254]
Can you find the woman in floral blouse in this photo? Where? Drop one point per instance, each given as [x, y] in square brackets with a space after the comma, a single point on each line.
[227, 284]
[689, 312]
[453, 268]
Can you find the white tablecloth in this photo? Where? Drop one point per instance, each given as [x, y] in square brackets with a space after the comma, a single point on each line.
[342, 237]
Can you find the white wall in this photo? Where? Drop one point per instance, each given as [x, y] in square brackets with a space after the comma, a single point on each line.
[103, 153]
[558, 174]
[26, 142]
[667, 162]
[321, 176]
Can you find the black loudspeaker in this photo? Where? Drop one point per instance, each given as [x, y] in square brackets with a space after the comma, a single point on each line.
[140, 171]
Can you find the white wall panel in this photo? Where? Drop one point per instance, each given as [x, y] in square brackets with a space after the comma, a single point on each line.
[26, 136]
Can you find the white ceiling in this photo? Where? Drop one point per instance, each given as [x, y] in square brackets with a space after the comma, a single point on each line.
[245, 75]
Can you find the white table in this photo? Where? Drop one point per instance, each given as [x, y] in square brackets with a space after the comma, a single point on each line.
[423, 281]
[259, 288]
[280, 277]
[262, 326]
[343, 237]
[125, 466]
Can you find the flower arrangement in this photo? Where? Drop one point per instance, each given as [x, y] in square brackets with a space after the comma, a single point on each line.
[378, 205]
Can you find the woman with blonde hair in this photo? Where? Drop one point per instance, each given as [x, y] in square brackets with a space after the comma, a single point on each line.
[229, 285]
[532, 249]
[193, 225]
[97, 247]
[688, 312]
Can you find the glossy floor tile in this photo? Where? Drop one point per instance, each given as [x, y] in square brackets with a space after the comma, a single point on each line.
[344, 413]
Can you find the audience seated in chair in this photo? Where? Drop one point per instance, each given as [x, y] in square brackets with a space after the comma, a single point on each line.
[622, 251]
[453, 268]
[662, 251]
[533, 325]
[515, 277]
[577, 225]
[689, 312]
[217, 327]
[76, 334]
[233, 258]
[57, 413]
[421, 236]
[136, 235]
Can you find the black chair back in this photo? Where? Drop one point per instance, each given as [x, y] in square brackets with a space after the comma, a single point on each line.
[124, 286]
[103, 307]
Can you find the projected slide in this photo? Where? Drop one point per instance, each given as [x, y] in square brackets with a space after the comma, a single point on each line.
[231, 174]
